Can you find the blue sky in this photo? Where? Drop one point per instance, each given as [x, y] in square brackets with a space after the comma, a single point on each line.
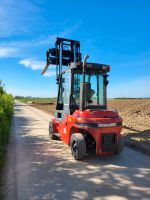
[115, 32]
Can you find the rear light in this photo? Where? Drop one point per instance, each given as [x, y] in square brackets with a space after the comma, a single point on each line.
[119, 123]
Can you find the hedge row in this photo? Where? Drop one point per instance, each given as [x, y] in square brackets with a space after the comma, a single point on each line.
[6, 110]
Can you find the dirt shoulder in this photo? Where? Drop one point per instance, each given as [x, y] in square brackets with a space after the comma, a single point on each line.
[136, 120]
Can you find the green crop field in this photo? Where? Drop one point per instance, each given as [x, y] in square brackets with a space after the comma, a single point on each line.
[36, 99]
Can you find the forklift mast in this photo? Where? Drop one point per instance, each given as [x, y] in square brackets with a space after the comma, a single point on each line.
[65, 52]
[81, 85]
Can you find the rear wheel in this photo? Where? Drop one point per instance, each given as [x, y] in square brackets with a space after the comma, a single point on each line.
[78, 146]
[120, 145]
[51, 133]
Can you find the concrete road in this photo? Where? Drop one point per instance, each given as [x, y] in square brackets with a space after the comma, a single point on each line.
[41, 169]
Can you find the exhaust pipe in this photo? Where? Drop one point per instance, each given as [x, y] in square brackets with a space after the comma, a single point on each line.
[84, 66]
[83, 86]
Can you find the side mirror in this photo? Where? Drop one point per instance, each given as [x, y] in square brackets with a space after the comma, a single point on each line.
[63, 80]
[105, 80]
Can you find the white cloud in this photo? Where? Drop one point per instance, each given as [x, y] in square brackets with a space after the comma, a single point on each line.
[31, 63]
[8, 52]
[50, 73]
[34, 46]
[35, 64]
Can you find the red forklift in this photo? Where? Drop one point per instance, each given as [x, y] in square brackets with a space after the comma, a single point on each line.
[82, 119]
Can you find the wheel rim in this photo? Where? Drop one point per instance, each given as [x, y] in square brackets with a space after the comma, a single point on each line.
[74, 148]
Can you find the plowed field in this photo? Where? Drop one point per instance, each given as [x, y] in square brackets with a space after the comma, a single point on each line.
[136, 121]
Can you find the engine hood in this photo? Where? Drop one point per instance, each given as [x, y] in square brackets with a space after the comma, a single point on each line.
[95, 116]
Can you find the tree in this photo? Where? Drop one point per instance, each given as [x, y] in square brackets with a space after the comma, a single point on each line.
[2, 90]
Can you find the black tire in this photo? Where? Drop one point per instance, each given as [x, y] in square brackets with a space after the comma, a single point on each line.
[51, 133]
[120, 145]
[78, 146]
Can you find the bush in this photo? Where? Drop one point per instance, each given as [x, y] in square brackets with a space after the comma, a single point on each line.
[6, 110]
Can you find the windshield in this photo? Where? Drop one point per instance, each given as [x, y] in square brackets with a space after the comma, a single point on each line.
[96, 90]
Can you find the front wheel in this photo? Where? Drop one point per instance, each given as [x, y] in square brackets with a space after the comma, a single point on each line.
[78, 146]
[51, 133]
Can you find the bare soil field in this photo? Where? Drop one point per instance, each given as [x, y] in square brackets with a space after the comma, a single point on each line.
[136, 120]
